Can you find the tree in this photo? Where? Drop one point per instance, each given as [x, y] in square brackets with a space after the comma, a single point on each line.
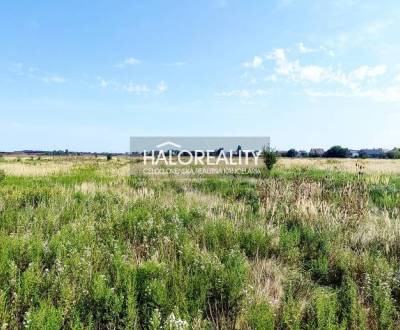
[393, 154]
[239, 150]
[270, 158]
[291, 153]
[337, 152]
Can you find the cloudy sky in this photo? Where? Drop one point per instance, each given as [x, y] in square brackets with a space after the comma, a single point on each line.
[87, 75]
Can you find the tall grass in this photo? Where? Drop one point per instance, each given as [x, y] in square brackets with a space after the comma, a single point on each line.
[295, 249]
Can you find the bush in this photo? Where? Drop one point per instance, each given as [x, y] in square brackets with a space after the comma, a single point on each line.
[106, 305]
[254, 242]
[351, 311]
[291, 153]
[270, 158]
[383, 307]
[44, 317]
[260, 317]
[291, 314]
[393, 154]
[337, 152]
[323, 312]
[2, 175]
[227, 291]
[109, 157]
[138, 181]
[152, 290]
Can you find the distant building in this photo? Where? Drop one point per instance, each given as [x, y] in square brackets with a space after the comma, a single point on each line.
[372, 153]
[303, 153]
[316, 152]
[354, 153]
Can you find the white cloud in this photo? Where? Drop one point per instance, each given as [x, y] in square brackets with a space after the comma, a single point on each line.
[387, 94]
[255, 63]
[53, 79]
[243, 93]
[177, 64]
[129, 61]
[328, 51]
[132, 88]
[38, 74]
[294, 71]
[283, 66]
[104, 83]
[135, 88]
[304, 50]
[315, 80]
[162, 87]
[312, 73]
[366, 72]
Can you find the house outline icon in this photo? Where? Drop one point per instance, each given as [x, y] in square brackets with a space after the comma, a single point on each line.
[168, 143]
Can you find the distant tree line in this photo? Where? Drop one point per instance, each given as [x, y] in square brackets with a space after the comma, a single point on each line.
[341, 152]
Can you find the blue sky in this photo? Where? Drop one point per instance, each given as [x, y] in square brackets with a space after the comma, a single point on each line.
[87, 75]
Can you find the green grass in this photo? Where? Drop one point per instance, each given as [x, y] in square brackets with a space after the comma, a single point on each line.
[149, 253]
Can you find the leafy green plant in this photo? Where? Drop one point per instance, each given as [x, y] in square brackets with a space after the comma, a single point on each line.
[323, 311]
[337, 152]
[81, 249]
[260, 317]
[352, 313]
[270, 158]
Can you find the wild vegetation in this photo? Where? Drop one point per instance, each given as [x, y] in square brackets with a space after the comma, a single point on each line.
[83, 245]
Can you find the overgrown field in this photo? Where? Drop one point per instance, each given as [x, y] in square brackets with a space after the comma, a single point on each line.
[83, 245]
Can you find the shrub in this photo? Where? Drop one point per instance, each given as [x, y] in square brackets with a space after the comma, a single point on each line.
[289, 241]
[383, 308]
[220, 235]
[291, 153]
[106, 305]
[260, 317]
[109, 157]
[152, 290]
[291, 314]
[227, 293]
[138, 181]
[393, 154]
[2, 175]
[337, 152]
[270, 158]
[44, 317]
[351, 311]
[155, 320]
[254, 242]
[323, 312]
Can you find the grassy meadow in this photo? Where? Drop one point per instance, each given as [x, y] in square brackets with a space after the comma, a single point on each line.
[314, 244]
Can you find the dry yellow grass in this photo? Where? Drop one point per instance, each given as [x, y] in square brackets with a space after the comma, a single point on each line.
[35, 169]
[371, 166]
[120, 166]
